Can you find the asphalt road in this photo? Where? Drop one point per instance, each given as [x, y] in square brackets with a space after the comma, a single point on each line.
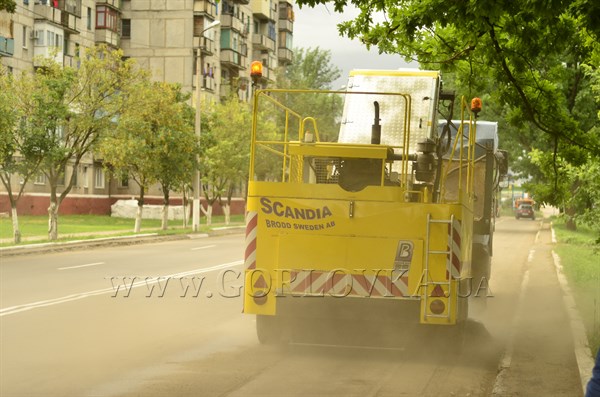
[120, 322]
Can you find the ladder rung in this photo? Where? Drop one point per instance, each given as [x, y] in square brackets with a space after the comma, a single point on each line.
[440, 221]
[438, 252]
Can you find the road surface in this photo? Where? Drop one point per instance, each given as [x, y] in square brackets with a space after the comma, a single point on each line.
[164, 320]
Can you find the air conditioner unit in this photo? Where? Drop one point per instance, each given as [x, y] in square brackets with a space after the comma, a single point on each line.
[34, 34]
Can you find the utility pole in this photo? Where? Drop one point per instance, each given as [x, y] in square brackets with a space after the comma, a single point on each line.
[196, 184]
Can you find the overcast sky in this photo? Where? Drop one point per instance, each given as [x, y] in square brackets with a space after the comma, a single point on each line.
[317, 27]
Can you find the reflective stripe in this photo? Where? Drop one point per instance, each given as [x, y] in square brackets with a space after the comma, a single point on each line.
[454, 265]
[340, 283]
[251, 229]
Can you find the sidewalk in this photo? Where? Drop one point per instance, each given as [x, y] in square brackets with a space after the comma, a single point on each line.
[541, 359]
[111, 238]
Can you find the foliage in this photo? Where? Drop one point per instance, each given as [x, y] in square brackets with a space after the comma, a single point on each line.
[225, 145]
[524, 47]
[153, 140]
[578, 251]
[12, 160]
[8, 5]
[69, 109]
[176, 146]
[13, 148]
[535, 61]
[312, 70]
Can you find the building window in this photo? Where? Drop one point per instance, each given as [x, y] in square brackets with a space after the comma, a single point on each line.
[85, 177]
[25, 38]
[60, 181]
[40, 179]
[126, 28]
[124, 180]
[53, 39]
[39, 37]
[107, 18]
[99, 177]
[26, 2]
[89, 18]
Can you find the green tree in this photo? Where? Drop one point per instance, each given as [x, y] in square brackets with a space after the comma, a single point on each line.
[532, 57]
[176, 145]
[73, 108]
[20, 150]
[312, 69]
[130, 148]
[8, 5]
[225, 154]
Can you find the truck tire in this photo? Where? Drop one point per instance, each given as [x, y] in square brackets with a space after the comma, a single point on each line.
[480, 272]
[269, 329]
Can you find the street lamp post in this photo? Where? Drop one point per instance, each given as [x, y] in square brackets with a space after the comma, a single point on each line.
[197, 185]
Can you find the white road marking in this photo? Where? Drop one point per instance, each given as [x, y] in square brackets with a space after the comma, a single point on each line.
[203, 247]
[51, 302]
[77, 267]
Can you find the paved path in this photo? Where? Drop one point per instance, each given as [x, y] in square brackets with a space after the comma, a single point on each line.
[530, 367]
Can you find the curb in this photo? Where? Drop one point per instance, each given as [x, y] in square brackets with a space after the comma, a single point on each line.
[113, 241]
[583, 355]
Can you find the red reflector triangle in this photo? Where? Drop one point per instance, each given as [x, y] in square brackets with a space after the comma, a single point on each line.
[438, 291]
[260, 282]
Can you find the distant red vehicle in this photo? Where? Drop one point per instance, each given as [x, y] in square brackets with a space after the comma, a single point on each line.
[520, 201]
[525, 211]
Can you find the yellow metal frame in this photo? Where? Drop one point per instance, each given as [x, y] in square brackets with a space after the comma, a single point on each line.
[356, 222]
[302, 120]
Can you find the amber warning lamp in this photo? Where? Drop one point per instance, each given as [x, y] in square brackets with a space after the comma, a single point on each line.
[476, 105]
[256, 68]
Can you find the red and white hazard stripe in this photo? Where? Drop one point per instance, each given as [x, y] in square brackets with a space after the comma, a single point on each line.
[341, 283]
[454, 264]
[251, 229]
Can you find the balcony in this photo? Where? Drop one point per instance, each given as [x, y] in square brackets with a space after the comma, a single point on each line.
[232, 58]
[206, 45]
[225, 90]
[7, 46]
[285, 55]
[286, 25]
[48, 13]
[67, 19]
[73, 7]
[261, 9]
[69, 22]
[229, 21]
[108, 37]
[205, 7]
[207, 83]
[262, 42]
[116, 4]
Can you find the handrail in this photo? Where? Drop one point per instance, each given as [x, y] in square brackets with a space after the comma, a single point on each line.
[468, 162]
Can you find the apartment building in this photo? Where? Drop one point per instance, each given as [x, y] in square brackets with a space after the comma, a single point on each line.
[178, 40]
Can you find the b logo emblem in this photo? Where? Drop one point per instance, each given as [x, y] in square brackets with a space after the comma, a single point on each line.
[404, 254]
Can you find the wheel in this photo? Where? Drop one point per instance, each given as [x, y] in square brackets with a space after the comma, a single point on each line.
[269, 329]
[480, 272]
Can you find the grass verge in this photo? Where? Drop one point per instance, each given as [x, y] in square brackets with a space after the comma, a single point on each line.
[34, 229]
[579, 258]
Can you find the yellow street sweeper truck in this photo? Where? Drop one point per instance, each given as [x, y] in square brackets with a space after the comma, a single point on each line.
[372, 194]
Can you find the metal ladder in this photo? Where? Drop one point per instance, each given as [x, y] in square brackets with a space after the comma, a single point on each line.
[428, 252]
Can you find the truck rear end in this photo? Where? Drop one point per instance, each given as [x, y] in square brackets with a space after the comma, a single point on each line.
[359, 215]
